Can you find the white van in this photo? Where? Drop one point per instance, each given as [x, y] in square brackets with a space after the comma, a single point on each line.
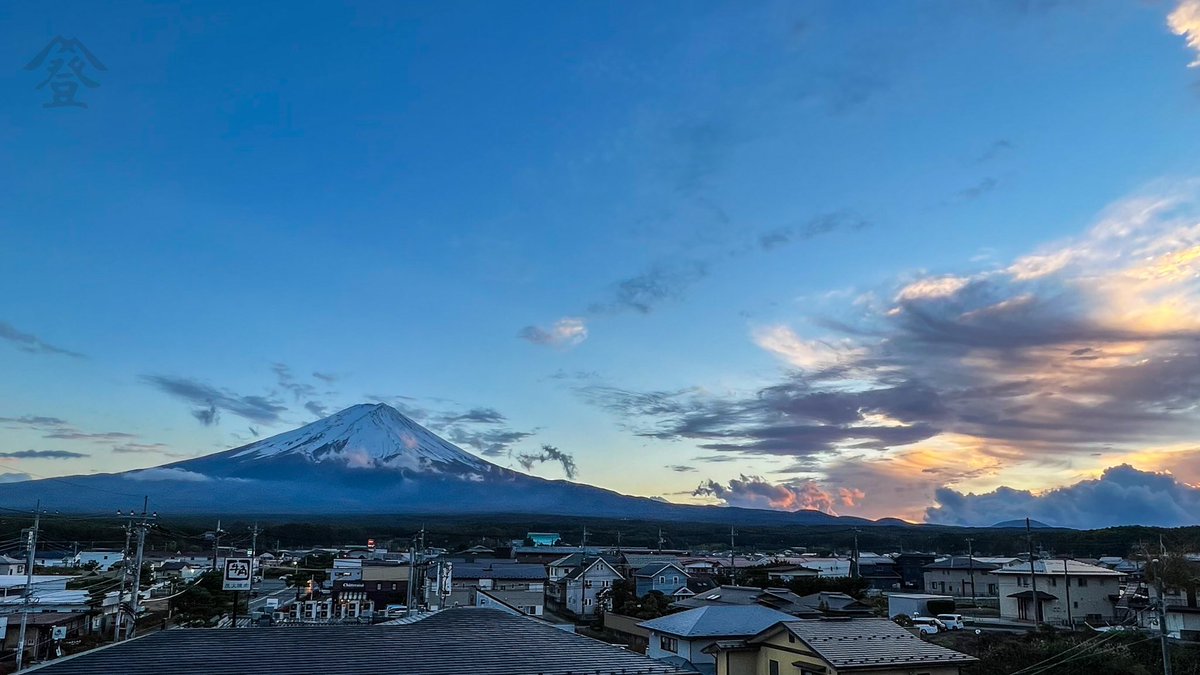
[928, 625]
[952, 621]
[272, 604]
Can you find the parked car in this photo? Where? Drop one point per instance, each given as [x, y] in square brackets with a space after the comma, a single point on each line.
[952, 621]
[928, 625]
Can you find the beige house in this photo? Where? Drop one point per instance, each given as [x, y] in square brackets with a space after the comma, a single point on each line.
[836, 647]
[1067, 592]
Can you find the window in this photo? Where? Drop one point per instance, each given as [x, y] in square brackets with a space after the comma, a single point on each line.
[668, 644]
[1094, 618]
[1054, 581]
[1081, 581]
[1076, 603]
[773, 667]
[662, 580]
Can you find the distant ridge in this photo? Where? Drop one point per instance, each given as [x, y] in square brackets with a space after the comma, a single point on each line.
[366, 459]
[1033, 524]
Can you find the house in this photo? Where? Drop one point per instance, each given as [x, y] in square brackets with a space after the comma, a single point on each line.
[780, 599]
[682, 638]
[578, 584]
[669, 579]
[448, 642]
[178, 569]
[879, 571]
[962, 577]
[522, 586]
[833, 603]
[836, 647]
[11, 566]
[103, 559]
[39, 632]
[789, 573]
[1059, 592]
[911, 568]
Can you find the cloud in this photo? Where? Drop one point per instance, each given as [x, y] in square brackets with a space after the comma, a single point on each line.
[475, 416]
[481, 429]
[681, 468]
[663, 282]
[43, 454]
[1185, 22]
[756, 492]
[549, 453]
[566, 332]
[103, 437]
[488, 442]
[995, 150]
[28, 342]
[169, 473]
[14, 477]
[313, 407]
[285, 379]
[142, 448]
[1038, 369]
[328, 378]
[824, 223]
[210, 401]
[1122, 495]
[35, 421]
[979, 189]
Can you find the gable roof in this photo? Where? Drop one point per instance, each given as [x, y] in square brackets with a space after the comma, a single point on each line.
[654, 569]
[781, 599]
[849, 644]
[450, 642]
[717, 621]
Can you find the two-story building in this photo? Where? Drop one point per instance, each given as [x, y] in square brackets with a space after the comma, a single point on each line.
[579, 584]
[962, 577]
[519, 585]
[680, 639]
[1067, 592]
[666, 578]
[836, 647]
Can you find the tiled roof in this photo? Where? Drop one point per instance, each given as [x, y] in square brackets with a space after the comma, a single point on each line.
[726, 621]
[849, 644]
[517, 571]
[452, 642]
[653, 569]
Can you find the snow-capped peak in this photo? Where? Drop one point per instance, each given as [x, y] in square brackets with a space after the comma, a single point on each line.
[365, 436]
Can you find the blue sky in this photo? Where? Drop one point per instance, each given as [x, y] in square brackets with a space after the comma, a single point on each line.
[618, 225]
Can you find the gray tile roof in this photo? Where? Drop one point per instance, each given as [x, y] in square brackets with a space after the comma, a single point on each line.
[452, 642]
[962, 563]
[515, 571]
[725, 621]
[848, 644]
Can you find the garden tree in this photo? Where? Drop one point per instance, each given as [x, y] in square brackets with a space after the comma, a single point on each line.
[204, 600]
[1177, 572]
[650, 606]
[855, 588]
[1120, 653]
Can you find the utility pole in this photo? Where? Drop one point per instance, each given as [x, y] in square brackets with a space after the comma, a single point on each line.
[971, 567]
[119, 617]
[854, 557]
[142, 526]
[732, 566]
[583, 573]
[412, 574]
[31, 542]
[253, 559]
[1162, 615]
[1037, 603]
[217, 544]
[660, 541]
[1067, 581]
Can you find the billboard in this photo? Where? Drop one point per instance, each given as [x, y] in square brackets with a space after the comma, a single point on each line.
[237, 575]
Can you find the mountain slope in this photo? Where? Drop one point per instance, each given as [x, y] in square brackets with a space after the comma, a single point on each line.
[364, 459]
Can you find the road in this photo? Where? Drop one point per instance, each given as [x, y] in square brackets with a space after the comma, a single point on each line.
[270, 588]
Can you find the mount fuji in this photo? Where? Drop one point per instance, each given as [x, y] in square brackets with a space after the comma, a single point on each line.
[368, 458]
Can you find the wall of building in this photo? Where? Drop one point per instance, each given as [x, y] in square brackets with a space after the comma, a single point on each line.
[957, 582]
[1089, 602]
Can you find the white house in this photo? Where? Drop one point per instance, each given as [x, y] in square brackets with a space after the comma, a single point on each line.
[103, 559]
[11, 566]
[682, 638]
[1068, 592]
